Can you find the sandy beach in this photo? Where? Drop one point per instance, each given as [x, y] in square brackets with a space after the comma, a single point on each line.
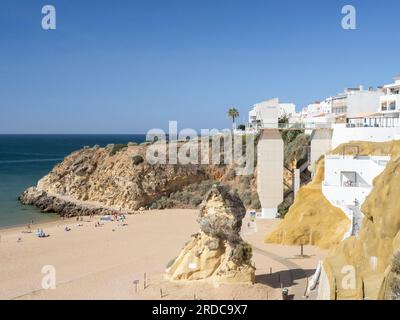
[105, 262]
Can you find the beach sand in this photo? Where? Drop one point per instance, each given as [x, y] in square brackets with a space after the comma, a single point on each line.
[104, 262]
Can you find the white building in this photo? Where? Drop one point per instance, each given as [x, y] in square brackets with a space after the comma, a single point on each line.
[312, 109]
[287, 109]
[267, 113]
[354, 101]
[376, 125]
[316, 114]
[349, 178]
[343, 133]
[348, 181]
[390, 101]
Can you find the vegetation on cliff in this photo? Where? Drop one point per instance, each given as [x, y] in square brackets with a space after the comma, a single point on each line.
[119, 177]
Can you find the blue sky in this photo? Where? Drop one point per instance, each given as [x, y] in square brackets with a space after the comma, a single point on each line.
[128, 66]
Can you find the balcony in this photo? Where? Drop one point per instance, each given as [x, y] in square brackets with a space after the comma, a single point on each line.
[390, 103]
[346, 195]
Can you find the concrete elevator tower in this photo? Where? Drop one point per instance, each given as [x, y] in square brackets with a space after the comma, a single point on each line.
[321, 143]
[270, 171]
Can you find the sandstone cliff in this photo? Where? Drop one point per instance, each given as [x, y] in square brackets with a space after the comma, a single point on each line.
[370, 253]
[217, 253]
[102, 180]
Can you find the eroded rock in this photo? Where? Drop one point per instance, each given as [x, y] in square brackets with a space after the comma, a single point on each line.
[217, 253]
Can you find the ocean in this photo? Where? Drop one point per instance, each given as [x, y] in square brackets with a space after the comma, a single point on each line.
[24, 159]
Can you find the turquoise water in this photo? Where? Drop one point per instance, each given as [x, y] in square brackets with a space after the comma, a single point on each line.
[24, 159]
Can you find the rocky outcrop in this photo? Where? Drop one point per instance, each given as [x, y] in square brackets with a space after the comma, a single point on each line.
[117, 176]
[370, 253]
[312, 219]
[64, 205]
[217, 253]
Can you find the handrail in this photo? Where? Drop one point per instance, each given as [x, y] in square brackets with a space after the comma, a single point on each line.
[349, 185]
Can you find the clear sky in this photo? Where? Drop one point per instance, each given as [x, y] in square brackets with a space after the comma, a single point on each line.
[128, 66]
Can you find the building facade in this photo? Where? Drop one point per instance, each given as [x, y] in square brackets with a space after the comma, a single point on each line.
[266, 114]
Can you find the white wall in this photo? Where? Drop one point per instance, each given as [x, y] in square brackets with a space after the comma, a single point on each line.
[345, 196]
[270, 171]
[321, 143]
[363, 102]
[366, 169]
[267, 112]
[287, 109]
[341, 134]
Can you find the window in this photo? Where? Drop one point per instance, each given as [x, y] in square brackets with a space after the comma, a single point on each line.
[392, 105]
[384, 106]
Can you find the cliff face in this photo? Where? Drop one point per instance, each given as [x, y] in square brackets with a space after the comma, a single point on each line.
[118, 177]
[99, 180]
[370, 253]
[217, 253]
[311, 219]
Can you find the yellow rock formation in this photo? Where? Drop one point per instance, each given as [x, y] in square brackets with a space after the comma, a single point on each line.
[371, 251]
[217, 253]
[367, 256]
[311, 219]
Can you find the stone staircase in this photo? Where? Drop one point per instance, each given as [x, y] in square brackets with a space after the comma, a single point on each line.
[357, 219]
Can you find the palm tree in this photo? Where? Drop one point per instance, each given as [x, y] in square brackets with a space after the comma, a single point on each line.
[233, 113]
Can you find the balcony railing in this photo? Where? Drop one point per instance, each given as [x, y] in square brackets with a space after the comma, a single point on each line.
[390, 124]
[295, 126]
[349, 184]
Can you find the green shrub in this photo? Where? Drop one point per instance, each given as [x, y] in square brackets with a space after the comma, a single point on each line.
[395, 287]
[114, 148]
[396, 263]
[246, 180]
[245, 196]
[297, 149]
[243, 253]
[162, 203]
[137, 160]
[204, 186]
[231, 174]
[284, 207]
[255, 201]
[196, 200]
